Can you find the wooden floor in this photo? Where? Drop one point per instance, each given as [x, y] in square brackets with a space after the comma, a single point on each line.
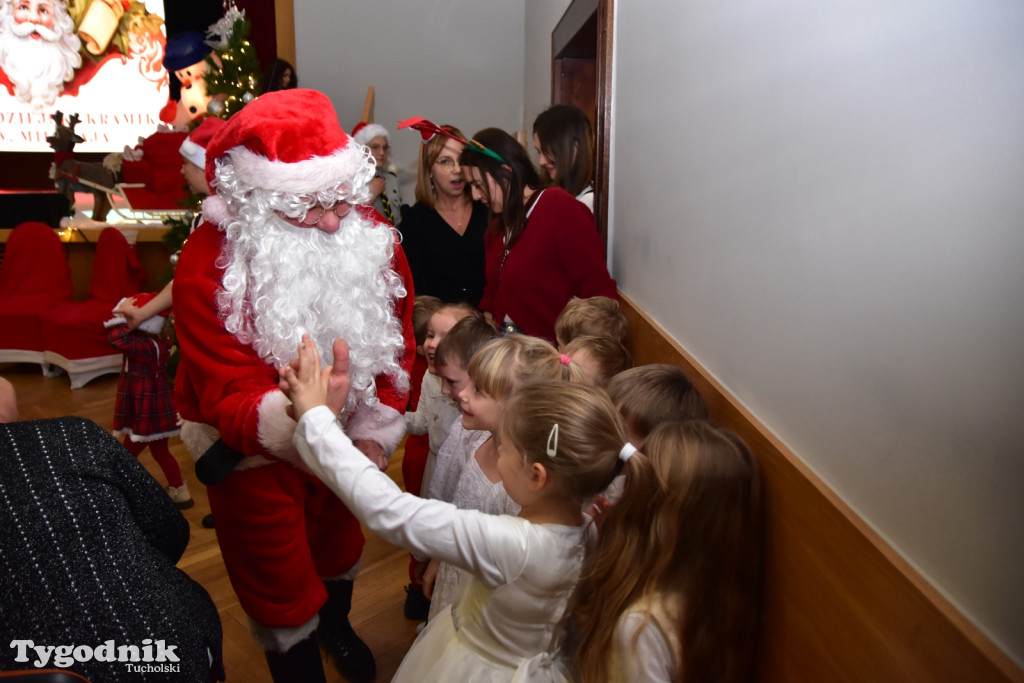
[378, 599]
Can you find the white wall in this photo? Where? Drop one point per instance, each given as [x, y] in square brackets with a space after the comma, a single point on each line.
[824, 204]
[458, 62]
[541, 18]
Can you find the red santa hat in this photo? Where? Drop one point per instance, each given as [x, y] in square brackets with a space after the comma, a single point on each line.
[364, 132]
[287, 141]
[193, 148]
[151, 325]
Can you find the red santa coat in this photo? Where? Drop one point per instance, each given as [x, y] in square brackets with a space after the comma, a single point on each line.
[280, 529]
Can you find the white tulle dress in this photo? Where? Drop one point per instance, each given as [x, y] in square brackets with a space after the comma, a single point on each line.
[473, 491]
[458, 447]
[507, 625]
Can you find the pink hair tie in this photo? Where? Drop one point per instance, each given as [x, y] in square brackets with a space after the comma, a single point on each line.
[565, 359]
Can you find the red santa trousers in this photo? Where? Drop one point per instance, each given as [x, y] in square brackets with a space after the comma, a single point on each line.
[280, 531]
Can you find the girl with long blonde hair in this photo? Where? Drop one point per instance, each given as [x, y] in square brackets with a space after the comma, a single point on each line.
[672, 592]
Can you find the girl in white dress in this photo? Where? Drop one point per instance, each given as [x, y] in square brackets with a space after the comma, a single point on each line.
[690, 516]
[436, 411]
[559, 444]
[451, 359]
[492, 374]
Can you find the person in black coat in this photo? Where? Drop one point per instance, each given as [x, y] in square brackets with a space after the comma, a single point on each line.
[443, 232]
[88, 546]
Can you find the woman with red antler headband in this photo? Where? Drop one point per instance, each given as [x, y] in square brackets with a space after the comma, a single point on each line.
[443, 232]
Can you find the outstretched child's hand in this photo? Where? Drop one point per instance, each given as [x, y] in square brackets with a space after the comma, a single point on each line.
[305, 383]
[338, 383]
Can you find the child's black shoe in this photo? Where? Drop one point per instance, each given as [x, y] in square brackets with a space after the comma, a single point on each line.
[417, 606]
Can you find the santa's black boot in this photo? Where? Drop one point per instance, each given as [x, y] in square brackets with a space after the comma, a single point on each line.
[301, 664]
[352, 658]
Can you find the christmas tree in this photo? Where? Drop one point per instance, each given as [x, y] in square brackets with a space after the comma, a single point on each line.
[235, 80]
[232, 79]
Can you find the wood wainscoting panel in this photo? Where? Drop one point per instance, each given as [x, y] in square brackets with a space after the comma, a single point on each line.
[839, 603]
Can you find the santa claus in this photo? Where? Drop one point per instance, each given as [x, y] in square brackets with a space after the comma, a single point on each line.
[39, 49]
[285, 250]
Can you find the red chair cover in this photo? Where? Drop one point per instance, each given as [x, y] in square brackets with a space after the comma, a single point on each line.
[117, 271]
[33, 278]
[73, 333]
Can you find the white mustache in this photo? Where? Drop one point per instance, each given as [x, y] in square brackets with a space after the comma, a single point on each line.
[26, 28]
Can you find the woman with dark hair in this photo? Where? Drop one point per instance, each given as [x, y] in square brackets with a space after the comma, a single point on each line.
[443, 233]
[280, 76]
[541, 249]
[564, 139]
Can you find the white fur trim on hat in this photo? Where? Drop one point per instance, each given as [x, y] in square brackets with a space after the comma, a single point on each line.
[380, 423]
[151, 325]
[316, 174]
[369, 132]
[193, 152]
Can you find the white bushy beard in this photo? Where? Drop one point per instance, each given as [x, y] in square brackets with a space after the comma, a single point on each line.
[281, 281]
[38, 69]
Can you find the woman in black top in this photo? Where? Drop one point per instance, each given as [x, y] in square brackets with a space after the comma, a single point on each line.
[443, 233]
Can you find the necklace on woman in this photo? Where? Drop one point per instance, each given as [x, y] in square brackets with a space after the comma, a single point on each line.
[456, 215]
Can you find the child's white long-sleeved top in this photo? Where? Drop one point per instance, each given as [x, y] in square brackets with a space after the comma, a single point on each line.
[507, 625]
[434, 413]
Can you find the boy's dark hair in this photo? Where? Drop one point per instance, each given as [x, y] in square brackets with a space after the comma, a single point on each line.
[650, 395]
[462, 341]
[422, 309]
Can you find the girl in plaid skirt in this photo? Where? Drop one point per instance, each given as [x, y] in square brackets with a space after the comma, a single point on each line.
[145, 412]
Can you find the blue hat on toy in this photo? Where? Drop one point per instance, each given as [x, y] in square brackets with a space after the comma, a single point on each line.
[185, 49]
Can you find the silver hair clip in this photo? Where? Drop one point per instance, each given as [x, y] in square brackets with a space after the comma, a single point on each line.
[552, 449]
[627, 452]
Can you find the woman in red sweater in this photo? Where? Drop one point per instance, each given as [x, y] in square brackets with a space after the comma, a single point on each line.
[541, 248]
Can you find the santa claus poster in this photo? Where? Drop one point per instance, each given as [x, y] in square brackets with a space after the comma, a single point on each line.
[99, 59]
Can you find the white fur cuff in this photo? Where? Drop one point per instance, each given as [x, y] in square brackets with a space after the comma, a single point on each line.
[197, 437]
[379, 423]
[282, 638]
[275, 429]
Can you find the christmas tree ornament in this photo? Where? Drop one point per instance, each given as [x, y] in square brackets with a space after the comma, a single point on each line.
[235, 78]
[220, 33]
[188, 57]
